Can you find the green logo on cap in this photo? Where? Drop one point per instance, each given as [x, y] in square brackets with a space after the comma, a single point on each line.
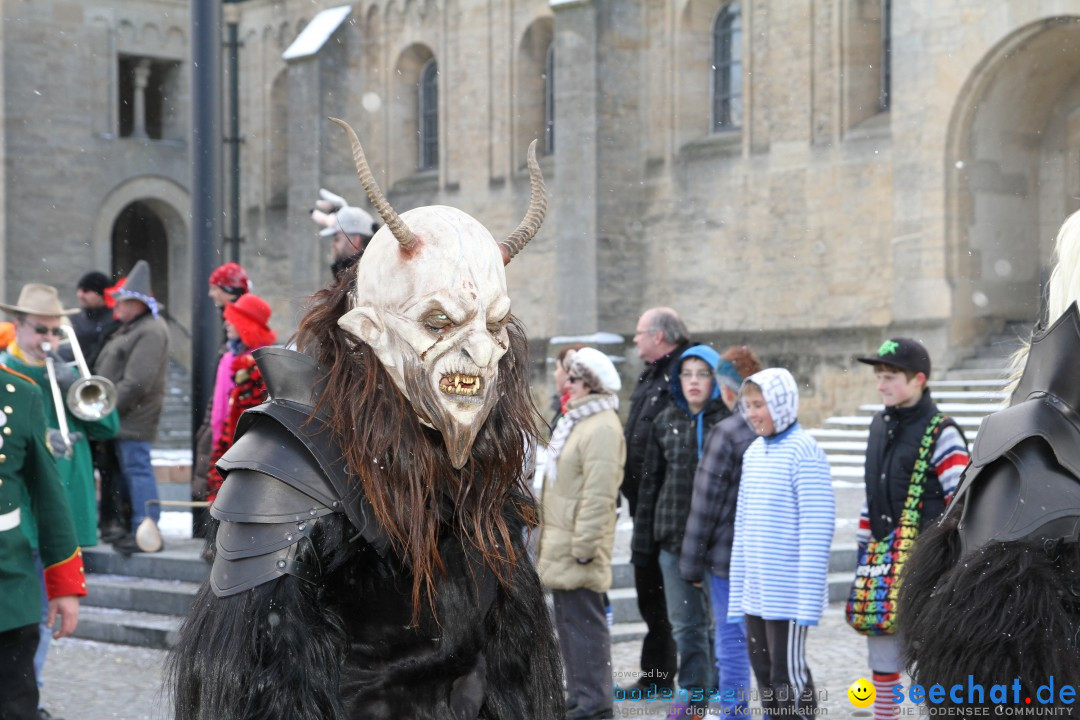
[888, 348]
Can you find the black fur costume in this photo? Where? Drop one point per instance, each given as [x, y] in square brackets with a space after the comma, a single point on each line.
[308, 612]
[994, 590]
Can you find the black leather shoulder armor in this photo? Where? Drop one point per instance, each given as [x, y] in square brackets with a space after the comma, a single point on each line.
[1023, 482]
[283, 472]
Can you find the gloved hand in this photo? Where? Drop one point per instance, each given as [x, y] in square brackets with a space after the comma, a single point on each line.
[55, 440]
[325, 207]
[328, 202]
[66, 374]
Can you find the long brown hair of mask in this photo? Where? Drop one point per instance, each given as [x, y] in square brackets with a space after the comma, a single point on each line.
[403, 467]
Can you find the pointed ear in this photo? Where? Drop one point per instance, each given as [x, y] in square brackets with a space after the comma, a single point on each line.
[363, 323]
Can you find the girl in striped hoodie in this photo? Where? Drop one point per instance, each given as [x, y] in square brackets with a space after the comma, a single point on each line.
[783, 529]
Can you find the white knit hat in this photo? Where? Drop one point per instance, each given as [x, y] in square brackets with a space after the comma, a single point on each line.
[596, 368]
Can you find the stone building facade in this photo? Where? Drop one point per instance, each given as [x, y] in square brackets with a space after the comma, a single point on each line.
[804, 176]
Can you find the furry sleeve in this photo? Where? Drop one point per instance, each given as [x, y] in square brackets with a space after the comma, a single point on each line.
[1000, 614]
[524, 668]
[274, 651]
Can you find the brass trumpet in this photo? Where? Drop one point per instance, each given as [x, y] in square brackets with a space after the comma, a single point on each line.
[91, 397]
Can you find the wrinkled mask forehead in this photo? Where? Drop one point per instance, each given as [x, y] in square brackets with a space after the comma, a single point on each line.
[456, 255]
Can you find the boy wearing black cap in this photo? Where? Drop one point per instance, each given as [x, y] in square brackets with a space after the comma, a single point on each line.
[902, 368]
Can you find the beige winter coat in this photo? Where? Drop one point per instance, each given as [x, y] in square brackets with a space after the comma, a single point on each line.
[578, 516]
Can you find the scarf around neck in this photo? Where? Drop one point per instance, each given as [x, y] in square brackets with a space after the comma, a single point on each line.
[566, 424]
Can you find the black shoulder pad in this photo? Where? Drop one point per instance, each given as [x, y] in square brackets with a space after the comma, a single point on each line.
[263, 520]
[229, 577]
[254, 497]
[268, 447]
[315, 441]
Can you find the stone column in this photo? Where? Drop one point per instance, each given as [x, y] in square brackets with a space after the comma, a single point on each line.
[575, 192]
[306, 130]
[142, 79]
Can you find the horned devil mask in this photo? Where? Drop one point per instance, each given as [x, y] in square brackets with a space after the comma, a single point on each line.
[431, 301]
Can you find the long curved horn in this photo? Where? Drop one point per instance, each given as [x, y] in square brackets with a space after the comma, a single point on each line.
[397, 226]
[534, 216]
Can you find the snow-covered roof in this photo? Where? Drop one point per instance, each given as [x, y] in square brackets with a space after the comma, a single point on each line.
[316, 33]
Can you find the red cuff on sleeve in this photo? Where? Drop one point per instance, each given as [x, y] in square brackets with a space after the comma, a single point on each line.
[66, 577]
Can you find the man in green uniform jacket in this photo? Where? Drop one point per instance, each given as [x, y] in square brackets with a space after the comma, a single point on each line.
[37, 315]
[27, 468]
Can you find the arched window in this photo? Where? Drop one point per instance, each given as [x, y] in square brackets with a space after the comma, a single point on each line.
[429, 116]
[727, 68]
[886, 55]
[549, 101]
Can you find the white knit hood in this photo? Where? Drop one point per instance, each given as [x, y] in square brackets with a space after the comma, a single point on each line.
[781, 394]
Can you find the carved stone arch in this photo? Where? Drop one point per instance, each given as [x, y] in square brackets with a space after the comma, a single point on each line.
[404, 107]
[150, 36]
[170, 204]
[125, 33]
[1012, 171]
[693, 56]
[176, 39]
[284, 36]
[531, 86]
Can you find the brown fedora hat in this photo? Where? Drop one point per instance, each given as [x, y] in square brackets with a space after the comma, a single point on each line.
[38, 299]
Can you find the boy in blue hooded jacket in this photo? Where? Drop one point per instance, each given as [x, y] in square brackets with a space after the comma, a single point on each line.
[671, 458]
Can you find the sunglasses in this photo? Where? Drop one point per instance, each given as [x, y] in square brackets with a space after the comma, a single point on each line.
[42, 330]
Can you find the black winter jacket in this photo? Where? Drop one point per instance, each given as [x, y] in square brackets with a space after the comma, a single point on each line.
[891, 450]
[650, 397]
[667, 482]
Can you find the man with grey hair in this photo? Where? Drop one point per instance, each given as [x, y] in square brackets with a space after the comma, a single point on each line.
[660, 337]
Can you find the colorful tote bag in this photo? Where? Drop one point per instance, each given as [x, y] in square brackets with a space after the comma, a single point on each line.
[871, 605]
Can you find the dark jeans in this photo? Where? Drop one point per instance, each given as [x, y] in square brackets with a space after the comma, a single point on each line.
[688, 613]
[778, 657]
[659, 658]
[18, 686]
[585, 642]
[115, 508]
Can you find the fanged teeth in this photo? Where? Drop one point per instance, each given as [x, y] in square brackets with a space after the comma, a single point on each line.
[458, 384]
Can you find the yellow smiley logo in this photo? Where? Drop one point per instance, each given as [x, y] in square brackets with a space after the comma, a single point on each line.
[861, 693]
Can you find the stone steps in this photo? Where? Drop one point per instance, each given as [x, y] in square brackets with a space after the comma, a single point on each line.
[140, 594]
[967, 396]
[127, 627]
[141, 599]
[174, 428]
